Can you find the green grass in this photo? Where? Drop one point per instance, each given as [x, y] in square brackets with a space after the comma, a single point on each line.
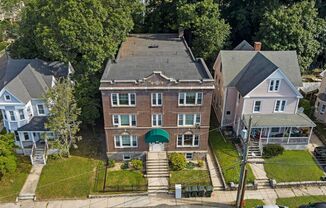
[250, 203]
[11, 184]
[228, 158]
[67, 178]
[3, 45]
[293, 165]
[294, 202]
[190, 177]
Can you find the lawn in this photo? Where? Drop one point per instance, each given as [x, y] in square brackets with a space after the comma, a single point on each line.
[67, 178]
[3, 45]
[250, 203]
[190, 177]
[297, 201]
[11, 184]
[293, 165]
[228, 158]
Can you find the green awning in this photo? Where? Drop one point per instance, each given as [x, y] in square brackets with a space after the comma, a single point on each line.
[157, 135]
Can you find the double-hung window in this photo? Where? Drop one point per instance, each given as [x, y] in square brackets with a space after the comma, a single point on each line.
[257, 106]
[189, 119]
[40, 109]
[280, 105]
[156, 120]
[274, 85]
[21, 114]
[12, 115]
[190, 98]
[156, 99]
[123, 99]
[322, 110]
[125, 141]
[126, 120]
[188, 140]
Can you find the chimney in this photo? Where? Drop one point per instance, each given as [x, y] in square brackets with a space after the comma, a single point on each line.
[257, 46]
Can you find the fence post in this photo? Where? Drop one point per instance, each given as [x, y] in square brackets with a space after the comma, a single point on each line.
[105, 175]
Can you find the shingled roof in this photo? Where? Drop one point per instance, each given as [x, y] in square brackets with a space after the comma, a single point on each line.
[29, 78]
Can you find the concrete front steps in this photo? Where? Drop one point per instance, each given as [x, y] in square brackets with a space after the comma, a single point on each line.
[25, 197]
[157, 168]
[38, 156]
[254, 151]
[263, 183]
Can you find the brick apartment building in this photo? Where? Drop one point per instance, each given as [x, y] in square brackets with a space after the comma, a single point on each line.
[156, 97]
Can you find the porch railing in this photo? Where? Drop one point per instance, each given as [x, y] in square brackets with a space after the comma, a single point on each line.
[31, 156]
[282, 140]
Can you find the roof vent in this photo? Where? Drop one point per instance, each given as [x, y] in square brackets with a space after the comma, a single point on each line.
[153, 46]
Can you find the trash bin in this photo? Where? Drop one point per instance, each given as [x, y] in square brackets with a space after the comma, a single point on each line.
[178, 191]
[209, 190]
[194, 191]
[201, 191]
[187, 192]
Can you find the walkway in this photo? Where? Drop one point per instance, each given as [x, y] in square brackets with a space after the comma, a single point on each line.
[29, 188]
[219, 199]
[314, 142]
[213, 171]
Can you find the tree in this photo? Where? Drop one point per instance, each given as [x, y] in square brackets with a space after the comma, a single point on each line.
[8, 162]
[85, 33]
[293, 28]
[209, 30]
[63, 115]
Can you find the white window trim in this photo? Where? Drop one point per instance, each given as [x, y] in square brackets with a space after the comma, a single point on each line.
[321, 109]
[192, 155]
[185, 99]
[253, 109]
[156, 99]
[157, 115]
[14, 115]
[274, 84]
[38, 110]
[193, 140]
[23, 114]
[119, 120]
[123, 147]
[184, 119]
[118, 100]
[279, 110]
[6, 97]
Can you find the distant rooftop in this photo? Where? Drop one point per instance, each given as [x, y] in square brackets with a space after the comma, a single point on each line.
[142, 54]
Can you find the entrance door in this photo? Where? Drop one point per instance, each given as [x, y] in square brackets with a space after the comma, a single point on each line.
[156, 147]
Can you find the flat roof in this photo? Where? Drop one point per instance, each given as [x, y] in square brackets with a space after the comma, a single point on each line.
[279, 120]
[142, 54]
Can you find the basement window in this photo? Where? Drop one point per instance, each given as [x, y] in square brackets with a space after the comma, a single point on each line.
[189, 155]
[126, 157]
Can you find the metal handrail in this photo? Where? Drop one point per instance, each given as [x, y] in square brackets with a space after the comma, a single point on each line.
[45, 153]
[31, 156]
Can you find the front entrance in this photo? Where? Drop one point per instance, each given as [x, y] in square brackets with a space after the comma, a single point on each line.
[156, 147]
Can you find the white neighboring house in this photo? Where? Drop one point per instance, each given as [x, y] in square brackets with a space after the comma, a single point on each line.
[23, 82]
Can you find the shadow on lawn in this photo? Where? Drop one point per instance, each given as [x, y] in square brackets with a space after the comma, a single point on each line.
[92, 144]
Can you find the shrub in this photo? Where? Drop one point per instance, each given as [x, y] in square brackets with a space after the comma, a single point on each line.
[54, 156]
[272, 150]
[111, 163]
[190, 165]
[125, 165]
[177, 161]
[137, 164]
[200, 163]
[3, 131]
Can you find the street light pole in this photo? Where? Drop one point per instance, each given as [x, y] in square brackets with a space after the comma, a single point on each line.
[242, 181]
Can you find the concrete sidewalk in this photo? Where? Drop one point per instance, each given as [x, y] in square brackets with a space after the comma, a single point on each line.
[218, 199]
[29, 188]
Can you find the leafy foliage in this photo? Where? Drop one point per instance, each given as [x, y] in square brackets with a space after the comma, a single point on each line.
[124, 165]
[7, 155]
[200, 163]
[63, 116]
[272, 150]
[293, 28]
[209, 30]
[137, 164]
[111, 163]
[177, 161]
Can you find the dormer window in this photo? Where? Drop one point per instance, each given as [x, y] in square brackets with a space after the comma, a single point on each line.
[7, 98]
[274, 85]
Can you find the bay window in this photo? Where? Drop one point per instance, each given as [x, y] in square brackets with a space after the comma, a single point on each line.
[188, 119]
[124, 120]
[125, 141]
[123, 99]
[190, 98]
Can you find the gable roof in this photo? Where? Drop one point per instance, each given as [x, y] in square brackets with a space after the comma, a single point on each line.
[236, 64]
[244, 46]
[29, 78]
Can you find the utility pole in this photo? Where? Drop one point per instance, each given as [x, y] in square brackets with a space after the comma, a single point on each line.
[242, 181]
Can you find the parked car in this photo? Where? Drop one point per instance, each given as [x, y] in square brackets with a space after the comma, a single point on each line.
[271, 206]
[314, 205]
[320, 151]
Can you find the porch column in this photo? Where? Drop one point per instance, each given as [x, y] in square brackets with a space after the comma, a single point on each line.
[289, 135]
[311, 129]
[32, 136]
[21, 143]
[269, 130]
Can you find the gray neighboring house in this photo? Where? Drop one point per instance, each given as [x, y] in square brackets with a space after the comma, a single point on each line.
[23, 82]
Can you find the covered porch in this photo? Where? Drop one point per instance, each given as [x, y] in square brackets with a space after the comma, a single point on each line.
[293, 131]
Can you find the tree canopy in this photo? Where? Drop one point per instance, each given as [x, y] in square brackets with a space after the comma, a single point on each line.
[296, 27]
